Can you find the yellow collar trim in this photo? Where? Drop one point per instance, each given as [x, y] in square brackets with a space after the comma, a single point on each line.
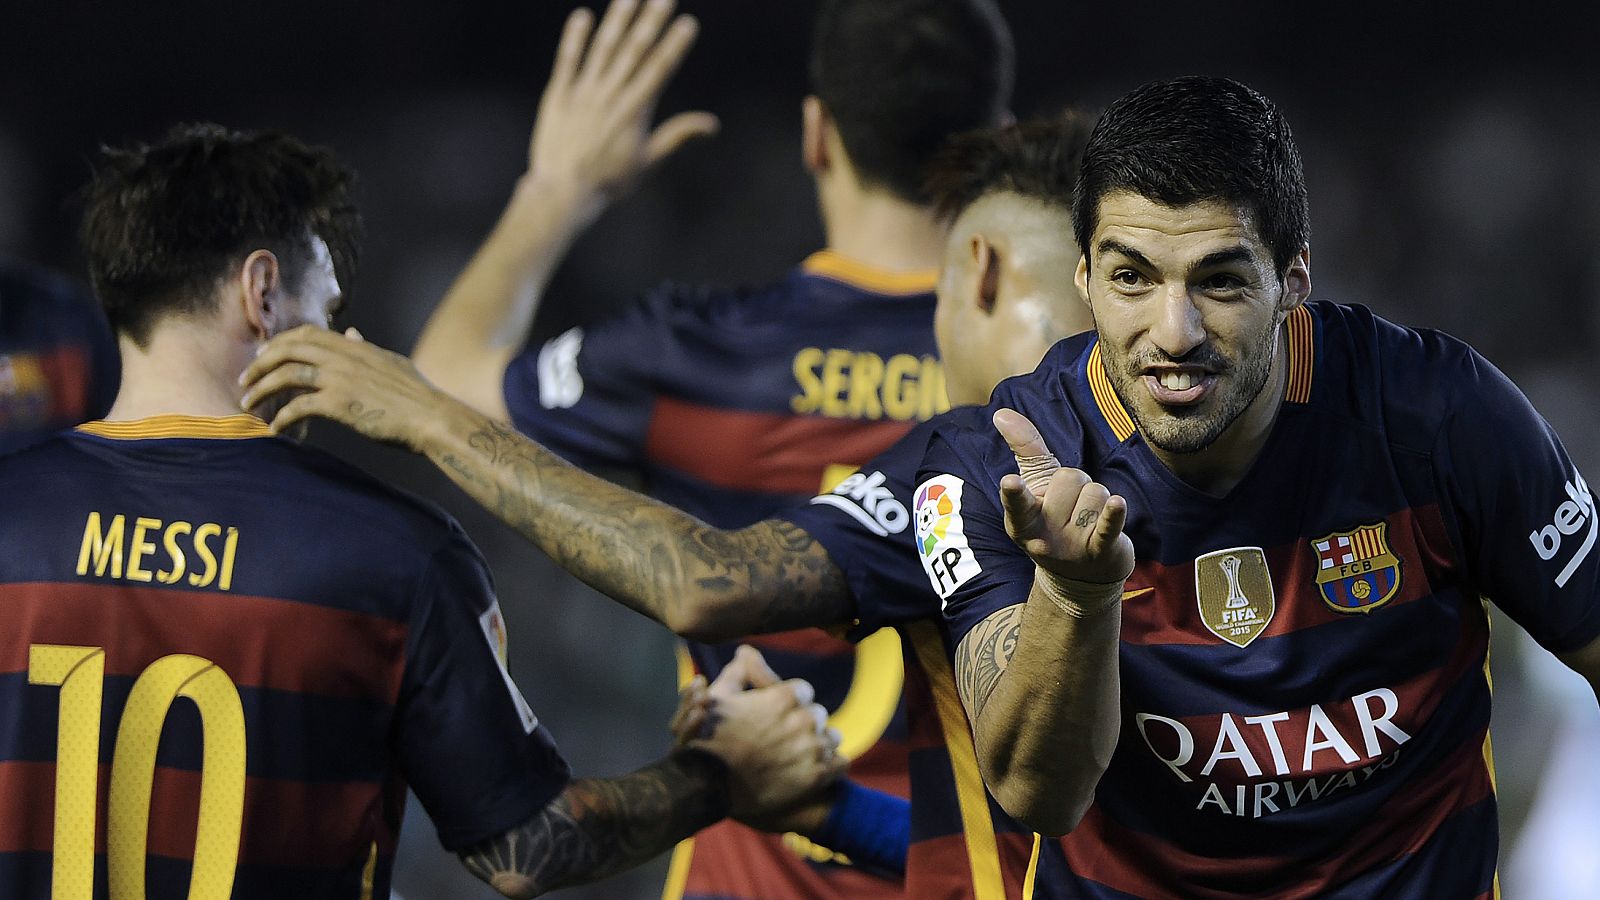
[830, 264]
[242, 425]
[1302, 365]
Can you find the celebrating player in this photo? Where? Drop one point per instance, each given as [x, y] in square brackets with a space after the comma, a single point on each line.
[175, 550]
[1216, 573]
[733, 404]
[1004, 297]
[58, 361]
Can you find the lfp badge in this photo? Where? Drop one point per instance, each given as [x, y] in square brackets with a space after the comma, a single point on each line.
[1356, 570]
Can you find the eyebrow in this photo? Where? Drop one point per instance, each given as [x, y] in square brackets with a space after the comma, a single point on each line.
[1109, 245]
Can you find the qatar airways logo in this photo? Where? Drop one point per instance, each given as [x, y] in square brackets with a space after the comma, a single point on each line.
[1573, 513]
[1263, 764]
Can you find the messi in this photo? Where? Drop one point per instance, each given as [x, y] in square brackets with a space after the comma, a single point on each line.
[111, 549]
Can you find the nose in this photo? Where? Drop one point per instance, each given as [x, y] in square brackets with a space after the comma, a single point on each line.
[1177, 328]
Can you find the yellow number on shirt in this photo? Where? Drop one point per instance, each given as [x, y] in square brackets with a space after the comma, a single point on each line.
[79, 671]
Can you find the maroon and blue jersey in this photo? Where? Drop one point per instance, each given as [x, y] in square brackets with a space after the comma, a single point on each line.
[962, 844]
[1303, 660]
[224, 657]
[733, 405]
[58, 360]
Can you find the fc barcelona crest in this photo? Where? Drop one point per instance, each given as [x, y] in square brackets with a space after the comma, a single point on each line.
[1356, 570]
[1234, 591]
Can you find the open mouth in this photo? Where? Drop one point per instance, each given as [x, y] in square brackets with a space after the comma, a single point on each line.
[1178, 385]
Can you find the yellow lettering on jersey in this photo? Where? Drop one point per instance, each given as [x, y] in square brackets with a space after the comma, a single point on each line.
[806, 363]
[107, 542]
[102, 547]
[207, 558]
[851, 384]
[174, 552]
[141, 547]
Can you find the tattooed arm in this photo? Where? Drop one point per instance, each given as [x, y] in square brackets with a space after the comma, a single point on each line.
[705, 583]
[1040, 680]
[601, 826]
[760, 752]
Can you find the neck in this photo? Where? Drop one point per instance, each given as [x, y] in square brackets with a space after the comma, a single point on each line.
[182, 371]
[877, 228]
[1219, 468]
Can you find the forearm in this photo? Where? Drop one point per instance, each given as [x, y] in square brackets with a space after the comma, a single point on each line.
[485, 317]
[1047, 719]
[702, 582]
[598, 827]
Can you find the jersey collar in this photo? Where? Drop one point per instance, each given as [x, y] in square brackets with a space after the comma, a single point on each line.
[233, 427]
[837, 267]
[1302, 367]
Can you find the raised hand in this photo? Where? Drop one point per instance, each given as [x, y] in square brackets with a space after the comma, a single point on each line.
[593, 132]
[1070, 525]
[343, 378]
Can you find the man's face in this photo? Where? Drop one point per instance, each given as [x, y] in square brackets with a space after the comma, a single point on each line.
[1187, 303]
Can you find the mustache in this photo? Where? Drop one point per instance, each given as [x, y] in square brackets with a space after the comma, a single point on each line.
[1205, 356]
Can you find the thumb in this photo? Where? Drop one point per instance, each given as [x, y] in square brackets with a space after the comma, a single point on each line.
[757, 673]
[1035, 462]
[671, 135]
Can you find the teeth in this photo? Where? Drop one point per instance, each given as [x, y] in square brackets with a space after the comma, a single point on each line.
[1177, 381]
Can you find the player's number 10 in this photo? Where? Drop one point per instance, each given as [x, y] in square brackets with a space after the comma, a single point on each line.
[80, 671]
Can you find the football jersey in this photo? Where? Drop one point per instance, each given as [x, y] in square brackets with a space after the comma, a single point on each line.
[58, 360]
[962, 844]
[223, 657]
[1305, 688]
[733, 405]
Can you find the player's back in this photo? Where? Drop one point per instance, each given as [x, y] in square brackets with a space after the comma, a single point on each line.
[209, 638]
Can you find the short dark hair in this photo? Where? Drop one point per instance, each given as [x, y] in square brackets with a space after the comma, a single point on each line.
[901, 76]
[1197, 139]
[1037, 159]
[162, 222]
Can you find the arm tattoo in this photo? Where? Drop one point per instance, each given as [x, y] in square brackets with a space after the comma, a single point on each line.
[657, 560]
[600, 826]
[983, 656]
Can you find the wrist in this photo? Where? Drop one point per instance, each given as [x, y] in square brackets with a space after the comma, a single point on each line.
[1079, 599]
[711, 772]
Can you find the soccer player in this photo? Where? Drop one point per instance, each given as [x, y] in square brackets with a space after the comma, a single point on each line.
[1004, 297]
[58, 361]
[732, 404]
[247, 648]
[1217, 573]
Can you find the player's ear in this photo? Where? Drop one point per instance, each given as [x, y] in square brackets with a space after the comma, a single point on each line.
[1080, 277]
[986, 263]
[814, 126]
[259, 280]
[1297, 280]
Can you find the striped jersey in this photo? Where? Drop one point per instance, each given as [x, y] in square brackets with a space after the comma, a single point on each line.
[58, 360]
[962, 844]
[1304, 677]
[733, 405]
[224, 657]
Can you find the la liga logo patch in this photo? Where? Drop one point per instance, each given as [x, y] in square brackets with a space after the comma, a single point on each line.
[941, 535]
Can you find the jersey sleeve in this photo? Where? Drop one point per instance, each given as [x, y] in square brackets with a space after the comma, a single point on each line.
[865, 525]
[588, 393]
[1525, 517]
[468, 744]
[969, 560]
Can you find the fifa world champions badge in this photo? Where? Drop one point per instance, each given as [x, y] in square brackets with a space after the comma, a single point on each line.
[1356, 570]
[1234, 591]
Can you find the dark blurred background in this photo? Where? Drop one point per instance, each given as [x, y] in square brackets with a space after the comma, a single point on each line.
[1453, 154]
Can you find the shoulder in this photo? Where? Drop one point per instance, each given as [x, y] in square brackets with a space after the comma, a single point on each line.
[1413, 380]
[392, 511]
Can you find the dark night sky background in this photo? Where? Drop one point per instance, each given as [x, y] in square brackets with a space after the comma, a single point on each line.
[1451, 151]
